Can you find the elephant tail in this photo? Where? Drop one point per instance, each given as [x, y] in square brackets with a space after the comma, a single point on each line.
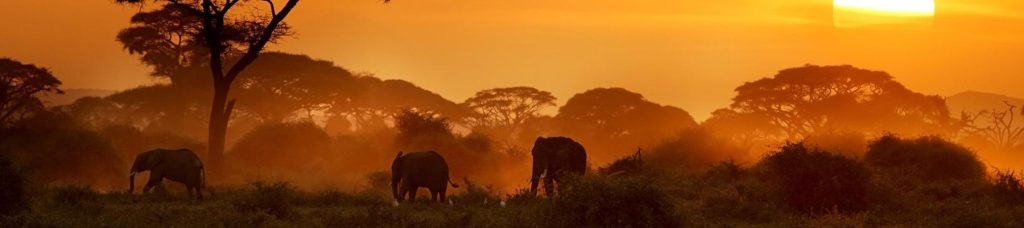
[202, 174]
[454, 185]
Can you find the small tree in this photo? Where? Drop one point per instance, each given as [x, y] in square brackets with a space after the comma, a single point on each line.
[1000, 131]
[19, 83]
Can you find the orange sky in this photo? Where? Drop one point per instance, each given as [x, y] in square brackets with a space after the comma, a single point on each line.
[685, 53]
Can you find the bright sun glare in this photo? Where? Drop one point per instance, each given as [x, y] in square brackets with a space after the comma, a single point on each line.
[904, 7]
[852, 13]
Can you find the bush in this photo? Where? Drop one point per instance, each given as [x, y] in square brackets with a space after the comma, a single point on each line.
[12, 187]
[274, 199]
[814, 181]
[72, 195]
[56, 149]
[692, 150]
[612, 202]
[926, 159]
[1008, 188]
[291, 146]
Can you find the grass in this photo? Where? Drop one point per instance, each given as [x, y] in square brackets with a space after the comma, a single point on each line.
[793, 187]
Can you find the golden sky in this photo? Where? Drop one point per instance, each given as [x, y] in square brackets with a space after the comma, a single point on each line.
[687, 53]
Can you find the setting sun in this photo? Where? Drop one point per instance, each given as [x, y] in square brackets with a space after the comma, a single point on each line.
[903, 7]
[853, 13]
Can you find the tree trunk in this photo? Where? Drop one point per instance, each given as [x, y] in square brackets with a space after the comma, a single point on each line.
[220, 114]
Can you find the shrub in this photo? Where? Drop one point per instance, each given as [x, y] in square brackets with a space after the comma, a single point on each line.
[56, 149]
[291, 146]
[927, 159]
[814, 181]
[12, 187]
[612, 202]
[72, 195]
[692, 150]
[1008, 188]
[273, 199]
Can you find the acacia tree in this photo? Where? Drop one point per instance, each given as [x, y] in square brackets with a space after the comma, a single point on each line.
[810, 99]
[19, 83]
[507, 108]
[1001, 129]
[216, 16]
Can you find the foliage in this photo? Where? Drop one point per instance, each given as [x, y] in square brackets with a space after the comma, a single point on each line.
[20, 83]
[1008, 187]
[926, 159]
[293, 146]
[13, 191]
[274, 199]
[55, 148]
[806, 100]
[692, 150]
[612, 202]
[614, 121]
[507, 108]
[814, 181]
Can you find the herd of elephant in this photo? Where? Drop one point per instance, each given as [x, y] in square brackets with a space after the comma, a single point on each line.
[553, 158]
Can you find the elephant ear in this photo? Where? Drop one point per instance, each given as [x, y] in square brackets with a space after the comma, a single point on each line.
[153, 158]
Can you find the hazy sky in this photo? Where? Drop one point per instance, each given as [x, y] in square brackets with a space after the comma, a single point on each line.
[686, 53]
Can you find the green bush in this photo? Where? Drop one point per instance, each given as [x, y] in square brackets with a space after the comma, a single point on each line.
[925, 159]
[814, 181]
[612, 202]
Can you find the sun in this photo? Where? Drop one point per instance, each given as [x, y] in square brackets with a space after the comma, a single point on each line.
[852, 13]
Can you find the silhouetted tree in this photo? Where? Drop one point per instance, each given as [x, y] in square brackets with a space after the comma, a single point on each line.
[168, 39]
[373, 102]
[257, 32]
[19, 83]
[506, 109]
[615, 119]
[1000, 130]
[278, 85]
[809, 99]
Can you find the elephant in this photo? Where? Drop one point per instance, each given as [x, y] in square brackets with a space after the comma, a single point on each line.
[554, 158]
[181, 165]
[410, 171]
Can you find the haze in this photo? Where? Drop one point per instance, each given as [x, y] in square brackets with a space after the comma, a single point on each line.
[690, 54]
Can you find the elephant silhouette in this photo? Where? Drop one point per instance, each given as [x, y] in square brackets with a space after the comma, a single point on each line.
[410, 171]
[553, 159]
[181, 165]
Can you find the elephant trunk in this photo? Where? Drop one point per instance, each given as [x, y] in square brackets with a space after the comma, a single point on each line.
[538, 170]
[131, 182]
[395, 178]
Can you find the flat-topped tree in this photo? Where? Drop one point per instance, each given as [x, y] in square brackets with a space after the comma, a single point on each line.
[217, 23]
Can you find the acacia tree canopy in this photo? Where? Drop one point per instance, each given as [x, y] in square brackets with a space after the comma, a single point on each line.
[809, 99]
[507, 108]
[19, 83]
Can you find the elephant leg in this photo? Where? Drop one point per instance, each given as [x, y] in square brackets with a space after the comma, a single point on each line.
[199, 191]
[442, 194]
[433, 196]
[154, 180]
[402, 192]
[412, 193]
[549, 185]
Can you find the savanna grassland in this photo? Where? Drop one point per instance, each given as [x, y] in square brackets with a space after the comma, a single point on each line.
[289, 140]
[935, 184]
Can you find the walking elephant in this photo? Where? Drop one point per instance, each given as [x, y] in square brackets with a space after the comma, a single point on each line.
[179, 165]
[554, 158]
[410, 171]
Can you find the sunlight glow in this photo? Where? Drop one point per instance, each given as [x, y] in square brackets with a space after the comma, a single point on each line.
[903, 7]
[855, 13]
